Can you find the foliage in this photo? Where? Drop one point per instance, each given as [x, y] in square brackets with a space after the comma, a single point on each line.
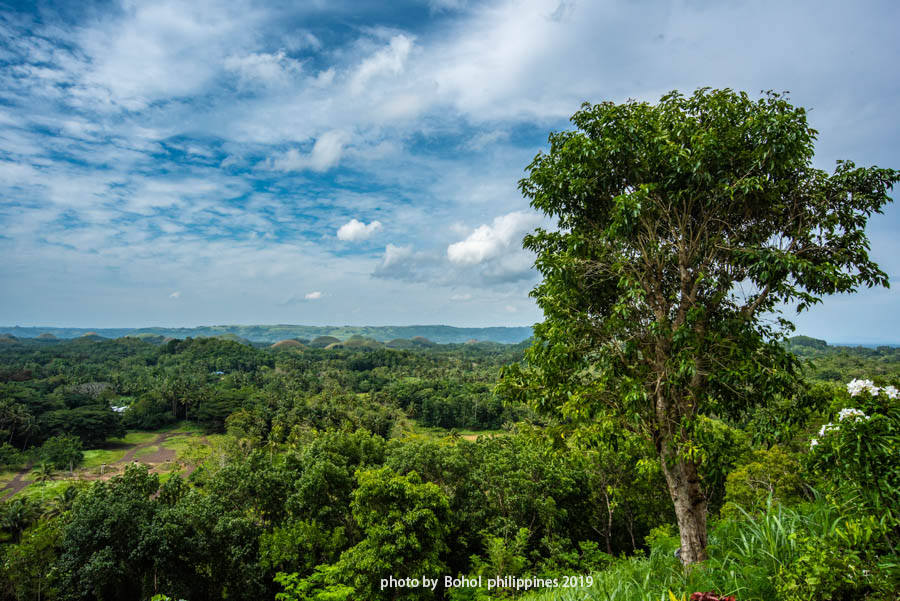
[10, 456]
[843, 564]
[102, 541]
[404, 524]
[27, 567]
[62, 452]
[771, 475]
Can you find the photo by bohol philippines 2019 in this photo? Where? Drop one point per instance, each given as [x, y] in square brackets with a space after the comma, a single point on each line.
[451, 300]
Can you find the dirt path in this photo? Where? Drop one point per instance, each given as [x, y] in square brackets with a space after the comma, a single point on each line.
[129, 456]
[16, 484]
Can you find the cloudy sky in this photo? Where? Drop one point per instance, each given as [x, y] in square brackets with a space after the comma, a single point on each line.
[353, 162]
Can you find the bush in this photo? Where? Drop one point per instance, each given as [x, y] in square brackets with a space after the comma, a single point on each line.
[62, 452]
[856, 455]
[844, 564]
[10, 456]
[770, 473]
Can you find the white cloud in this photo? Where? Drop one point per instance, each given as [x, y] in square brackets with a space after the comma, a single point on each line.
[387, 61]
[461, 297]
[325, 154]
[314, 295]
[491, 241]
[263, 68]
[355, 230]
[394, 254]
[175, 295]
[161, 50]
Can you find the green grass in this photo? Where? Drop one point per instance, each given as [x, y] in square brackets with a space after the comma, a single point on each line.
[97, 457]
[179, 443]
[745, 557]
[135, 437]
[46, 490]
[145, 451]
[5, 477]
[167, 467]
[184, 427]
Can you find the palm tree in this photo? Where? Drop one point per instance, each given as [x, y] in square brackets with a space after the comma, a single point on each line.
[62, 502]
[42, 473]
[16, 516]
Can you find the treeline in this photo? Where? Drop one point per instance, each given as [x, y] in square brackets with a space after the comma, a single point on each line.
[70, 388]
[843, 363]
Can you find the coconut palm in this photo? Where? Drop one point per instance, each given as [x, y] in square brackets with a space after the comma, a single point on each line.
[17, 515]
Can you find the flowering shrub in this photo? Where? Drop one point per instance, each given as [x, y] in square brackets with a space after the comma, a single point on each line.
[859, 454]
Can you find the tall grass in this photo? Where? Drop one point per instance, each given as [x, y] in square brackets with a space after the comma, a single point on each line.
[745, 557]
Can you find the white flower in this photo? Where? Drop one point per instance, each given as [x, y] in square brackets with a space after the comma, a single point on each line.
[850, 412]
[827, 428]
[891, 392]
[813, 443]
[856, 386]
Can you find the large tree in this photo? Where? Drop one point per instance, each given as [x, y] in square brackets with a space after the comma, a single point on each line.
[683, 227]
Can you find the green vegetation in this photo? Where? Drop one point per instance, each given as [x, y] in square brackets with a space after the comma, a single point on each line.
[298, 490]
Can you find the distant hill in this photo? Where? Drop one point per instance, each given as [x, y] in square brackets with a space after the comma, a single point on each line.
[274, 333]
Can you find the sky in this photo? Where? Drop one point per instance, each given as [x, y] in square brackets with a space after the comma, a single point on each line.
[175, 163]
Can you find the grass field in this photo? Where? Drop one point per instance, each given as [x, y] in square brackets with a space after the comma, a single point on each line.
[134, 437]
[97, 457]
[136, 445]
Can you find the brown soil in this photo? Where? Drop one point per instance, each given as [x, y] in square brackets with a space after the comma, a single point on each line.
[16, 484]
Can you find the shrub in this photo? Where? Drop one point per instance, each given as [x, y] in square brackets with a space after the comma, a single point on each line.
[770, 473]
[856, 455]
[62, 452]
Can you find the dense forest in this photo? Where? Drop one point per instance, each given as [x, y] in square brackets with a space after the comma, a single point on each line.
[314, 473]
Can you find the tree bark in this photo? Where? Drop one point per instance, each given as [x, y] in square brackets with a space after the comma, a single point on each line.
[690, 506]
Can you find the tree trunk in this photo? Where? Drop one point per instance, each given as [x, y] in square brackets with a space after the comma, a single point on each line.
[690, 507]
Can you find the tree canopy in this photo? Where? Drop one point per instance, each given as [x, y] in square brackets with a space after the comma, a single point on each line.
[683, 227]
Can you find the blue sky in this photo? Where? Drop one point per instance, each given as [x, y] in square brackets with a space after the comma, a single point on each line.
[186, 163]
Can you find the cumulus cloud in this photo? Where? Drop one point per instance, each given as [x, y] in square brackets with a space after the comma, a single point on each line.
[314, 295]
[491, 241]
[355, 230]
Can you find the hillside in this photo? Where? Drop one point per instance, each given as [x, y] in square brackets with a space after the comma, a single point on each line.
[274, 333]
